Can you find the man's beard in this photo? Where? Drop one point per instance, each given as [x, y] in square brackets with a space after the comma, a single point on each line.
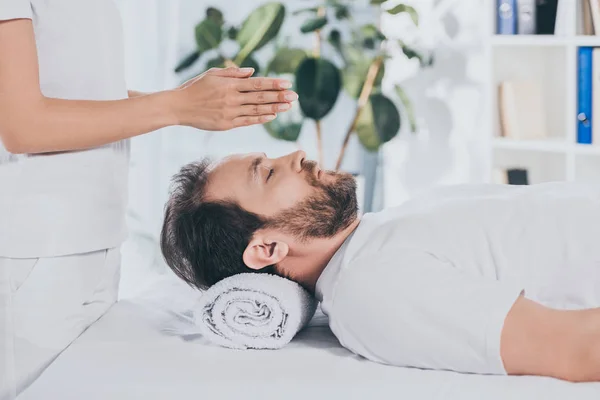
[331, 210]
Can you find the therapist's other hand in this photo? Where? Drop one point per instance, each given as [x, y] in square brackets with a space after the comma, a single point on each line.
[227, 98]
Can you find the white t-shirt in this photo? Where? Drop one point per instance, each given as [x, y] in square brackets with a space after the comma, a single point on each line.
[429, 284]
[72, 202]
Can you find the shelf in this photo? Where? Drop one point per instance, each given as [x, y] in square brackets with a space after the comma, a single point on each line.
[587, 168]
[587, 149]
[551, 60]
[528, 40]
[586, 41]
[544, 40]
[541, 166]
[543, 145]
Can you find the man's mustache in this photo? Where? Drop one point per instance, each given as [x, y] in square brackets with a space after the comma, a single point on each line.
[309, 166]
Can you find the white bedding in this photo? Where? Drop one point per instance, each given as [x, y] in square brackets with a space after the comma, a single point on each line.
[125, 356]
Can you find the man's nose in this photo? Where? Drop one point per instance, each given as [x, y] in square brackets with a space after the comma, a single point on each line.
[298, 158]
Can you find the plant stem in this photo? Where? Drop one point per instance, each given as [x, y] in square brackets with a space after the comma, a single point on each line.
[317, 52]
[362, 101]
[319, 142]
[228, 63]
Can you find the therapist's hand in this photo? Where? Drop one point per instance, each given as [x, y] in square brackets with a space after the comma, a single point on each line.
[222, 99]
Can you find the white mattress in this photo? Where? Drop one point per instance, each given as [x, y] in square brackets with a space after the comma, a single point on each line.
[125, 356]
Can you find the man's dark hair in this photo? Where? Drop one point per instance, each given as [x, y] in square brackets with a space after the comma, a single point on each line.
[204, 241]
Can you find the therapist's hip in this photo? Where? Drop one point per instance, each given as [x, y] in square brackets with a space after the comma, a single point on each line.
[45, 304]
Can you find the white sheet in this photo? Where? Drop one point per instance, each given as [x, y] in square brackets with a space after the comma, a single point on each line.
[125, 356]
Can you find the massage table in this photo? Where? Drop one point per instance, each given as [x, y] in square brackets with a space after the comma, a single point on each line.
[126, 355]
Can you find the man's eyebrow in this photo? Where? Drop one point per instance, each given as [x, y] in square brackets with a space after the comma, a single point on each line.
[253, 170]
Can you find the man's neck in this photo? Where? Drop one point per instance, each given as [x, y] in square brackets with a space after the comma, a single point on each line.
[308, 262]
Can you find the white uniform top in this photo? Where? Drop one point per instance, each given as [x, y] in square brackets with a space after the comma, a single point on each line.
[429, 284]
[73, 202]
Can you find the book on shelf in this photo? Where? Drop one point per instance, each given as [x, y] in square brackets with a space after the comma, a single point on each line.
[526, 17]
[584, 95]
[510, 176]
[529, 17]
[588, 14]
[521, 109]
[595, 139]
[545, 16]
[595, 15]
[506, 13]
[564, 15]
[585, 17]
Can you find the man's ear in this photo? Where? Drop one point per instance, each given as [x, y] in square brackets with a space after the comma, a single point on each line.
[262, 252]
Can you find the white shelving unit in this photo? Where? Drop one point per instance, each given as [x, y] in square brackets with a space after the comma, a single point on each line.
[553, 59]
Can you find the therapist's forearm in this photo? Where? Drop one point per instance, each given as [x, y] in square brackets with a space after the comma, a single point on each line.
[61, 125]
[217, 100]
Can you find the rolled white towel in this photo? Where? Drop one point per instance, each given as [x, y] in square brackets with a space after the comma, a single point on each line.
[252, 311]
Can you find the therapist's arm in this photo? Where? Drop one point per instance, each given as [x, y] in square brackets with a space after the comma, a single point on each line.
[33, 123]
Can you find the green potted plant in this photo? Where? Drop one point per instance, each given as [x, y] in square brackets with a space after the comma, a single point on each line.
[259, 28]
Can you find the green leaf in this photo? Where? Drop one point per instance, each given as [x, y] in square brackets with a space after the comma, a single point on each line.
[371, 36]
[217, 62]
[431, 60]
[355, 75]
[261, 26]
[282, 131]
[354, 54]
[369, 43]
[318, 85]
[408, 107]
[306, 10]
[335, 39]
[378, 1]
[287, 126]
[187, 62]
[342, 12]
[208, 35]
[286, 61]
[411, 53]
[371, 31]
[400, 8]
[313, 24]
[232, 32]
[215, 15]
[378, 123]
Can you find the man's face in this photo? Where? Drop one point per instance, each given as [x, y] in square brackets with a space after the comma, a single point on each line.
[293, 194]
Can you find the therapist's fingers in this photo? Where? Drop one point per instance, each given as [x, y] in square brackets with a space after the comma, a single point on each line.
[286, 96]
[232, 72]
[264, 109]
[261, 84]
[252, 120]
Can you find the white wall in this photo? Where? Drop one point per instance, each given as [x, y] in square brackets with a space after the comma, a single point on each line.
[448, 99]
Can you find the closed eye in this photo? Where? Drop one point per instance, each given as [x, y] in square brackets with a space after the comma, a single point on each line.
[271, 171]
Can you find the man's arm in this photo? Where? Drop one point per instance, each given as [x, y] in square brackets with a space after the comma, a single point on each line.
[564, 344]
[33, 123]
